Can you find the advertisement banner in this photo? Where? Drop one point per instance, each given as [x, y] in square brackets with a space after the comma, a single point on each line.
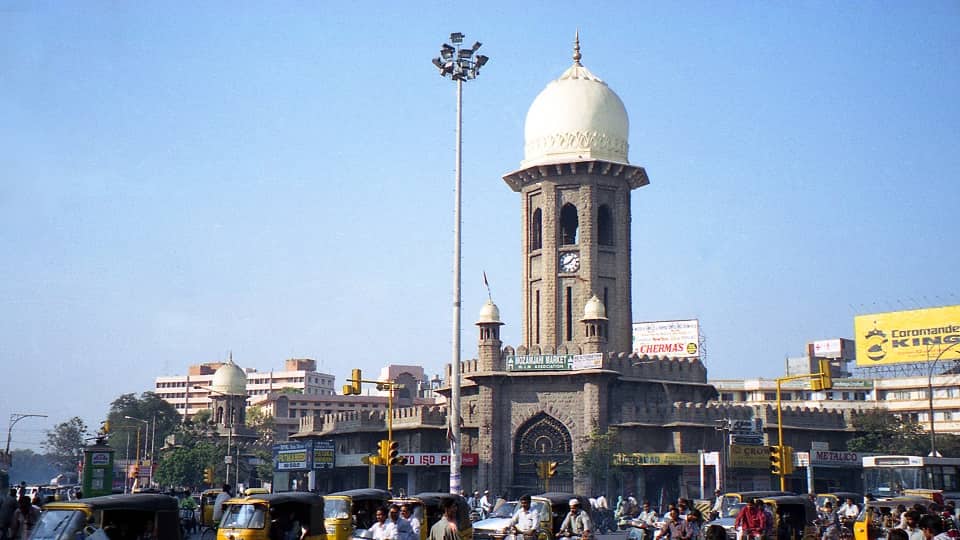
[919, 335]
[749, 457]
[653, 459]
[674, 339]
[323, 454]
[587, 361]
[834, 458]
[439, 459]
[292, 456]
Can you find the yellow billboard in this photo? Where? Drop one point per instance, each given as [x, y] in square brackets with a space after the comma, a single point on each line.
[918, 335]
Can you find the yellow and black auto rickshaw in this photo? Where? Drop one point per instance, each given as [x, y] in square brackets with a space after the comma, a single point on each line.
[138, 515]
[348, 513]
[207, 499]
[427, 508]
[559, 505]
[273, 516]
[735, 498]
[870, 523]
[794, 517]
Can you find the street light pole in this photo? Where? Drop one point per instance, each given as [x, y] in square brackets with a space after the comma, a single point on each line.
[460, 64]
[146, 439]
[930, 370]
[14, 418]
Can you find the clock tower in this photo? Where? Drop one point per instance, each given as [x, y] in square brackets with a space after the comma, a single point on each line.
[575, 183]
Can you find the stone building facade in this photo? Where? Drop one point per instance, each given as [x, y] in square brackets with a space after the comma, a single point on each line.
[573, 375]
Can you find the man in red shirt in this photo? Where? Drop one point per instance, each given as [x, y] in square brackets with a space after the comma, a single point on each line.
[751, 521]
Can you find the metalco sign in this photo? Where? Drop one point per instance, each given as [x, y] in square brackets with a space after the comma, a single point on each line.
[554, 362]
[833, 458]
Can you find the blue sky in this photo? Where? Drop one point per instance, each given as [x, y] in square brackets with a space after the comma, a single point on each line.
[276, 179]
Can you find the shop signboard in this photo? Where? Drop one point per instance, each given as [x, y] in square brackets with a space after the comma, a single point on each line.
[323, 453]
[554, 362]
[749, 457]
[836, 459]
[654, 459]
[293, 456]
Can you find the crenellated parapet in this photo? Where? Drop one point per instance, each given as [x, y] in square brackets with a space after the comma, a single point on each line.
[802, 417]
[353, 421]
[709, 414]
[660, 368]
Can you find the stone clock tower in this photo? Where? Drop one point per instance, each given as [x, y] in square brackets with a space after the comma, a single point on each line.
[575, 185]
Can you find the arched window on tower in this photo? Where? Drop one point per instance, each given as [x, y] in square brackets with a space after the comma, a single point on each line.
[569, 223]
[219, 419]
[604, 226]
[536, 230]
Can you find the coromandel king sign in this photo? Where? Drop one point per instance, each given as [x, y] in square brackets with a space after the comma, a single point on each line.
[554, 362]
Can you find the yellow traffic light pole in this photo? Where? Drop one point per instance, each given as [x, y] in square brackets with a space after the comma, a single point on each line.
[823, 381]
[354, 389]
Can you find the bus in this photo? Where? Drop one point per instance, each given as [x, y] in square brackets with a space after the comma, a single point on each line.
[894, 476]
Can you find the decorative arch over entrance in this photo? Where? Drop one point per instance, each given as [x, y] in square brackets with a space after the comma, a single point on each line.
[542, 439]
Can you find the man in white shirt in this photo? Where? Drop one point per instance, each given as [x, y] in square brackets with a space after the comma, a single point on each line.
[645, 524]
[526, 520]
[222, 497]
[848, 510]
[485, 503]
[382, 529]
[407, 515]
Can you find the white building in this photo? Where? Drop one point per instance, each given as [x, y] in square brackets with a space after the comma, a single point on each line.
[189, 395]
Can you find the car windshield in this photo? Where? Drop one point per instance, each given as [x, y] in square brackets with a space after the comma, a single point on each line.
[733, 510]
[242, 516]
[336, 509]
[505, 510]
[58, 524]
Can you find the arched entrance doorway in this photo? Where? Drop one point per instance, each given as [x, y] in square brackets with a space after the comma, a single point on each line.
[542, 440]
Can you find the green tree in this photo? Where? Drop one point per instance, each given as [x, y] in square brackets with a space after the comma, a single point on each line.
[162, 419]
[879, 430]
[595, 461]
[183, 466]
[65, 442]
[265, 426]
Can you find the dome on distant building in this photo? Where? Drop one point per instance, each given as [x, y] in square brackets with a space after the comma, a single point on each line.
[576, 118]
[489, 314]
[594, 310]
[229, 379]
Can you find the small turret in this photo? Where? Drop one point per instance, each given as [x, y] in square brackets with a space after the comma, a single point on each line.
[489, 345]
[595, 326]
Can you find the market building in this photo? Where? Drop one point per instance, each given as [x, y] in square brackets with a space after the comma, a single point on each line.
[574, 374]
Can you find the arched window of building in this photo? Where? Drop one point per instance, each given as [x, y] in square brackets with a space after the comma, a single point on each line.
[569, 223]
[536, 230]
[604, 226]
[219, 415]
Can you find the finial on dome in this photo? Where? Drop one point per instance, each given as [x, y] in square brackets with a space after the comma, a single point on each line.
[576, 48]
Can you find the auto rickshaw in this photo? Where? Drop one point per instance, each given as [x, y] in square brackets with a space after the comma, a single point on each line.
[869, 524]
[129, 516]
[348, 513]
[738, 497]
[427, 508]
[207, 499]
[271, 516]
[255, 491]
[794, 517]
[559, 505]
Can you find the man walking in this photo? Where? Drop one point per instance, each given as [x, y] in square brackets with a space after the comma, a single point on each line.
[446, 528]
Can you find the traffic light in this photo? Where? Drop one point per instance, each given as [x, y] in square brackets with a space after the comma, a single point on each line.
[134, 471]
[776, 460]
[542, 468]
[208, 476]
[395, 457]
[551, 469]
[787, 454]
[371, 459]
[353, 389]
[824, 379]
[383, 451]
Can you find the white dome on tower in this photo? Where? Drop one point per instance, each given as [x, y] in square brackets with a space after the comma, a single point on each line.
[230, 379]
[489, 314]
[576, 118]
[594, 310]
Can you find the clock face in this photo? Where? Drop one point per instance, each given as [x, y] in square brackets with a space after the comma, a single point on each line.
[569, 262]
